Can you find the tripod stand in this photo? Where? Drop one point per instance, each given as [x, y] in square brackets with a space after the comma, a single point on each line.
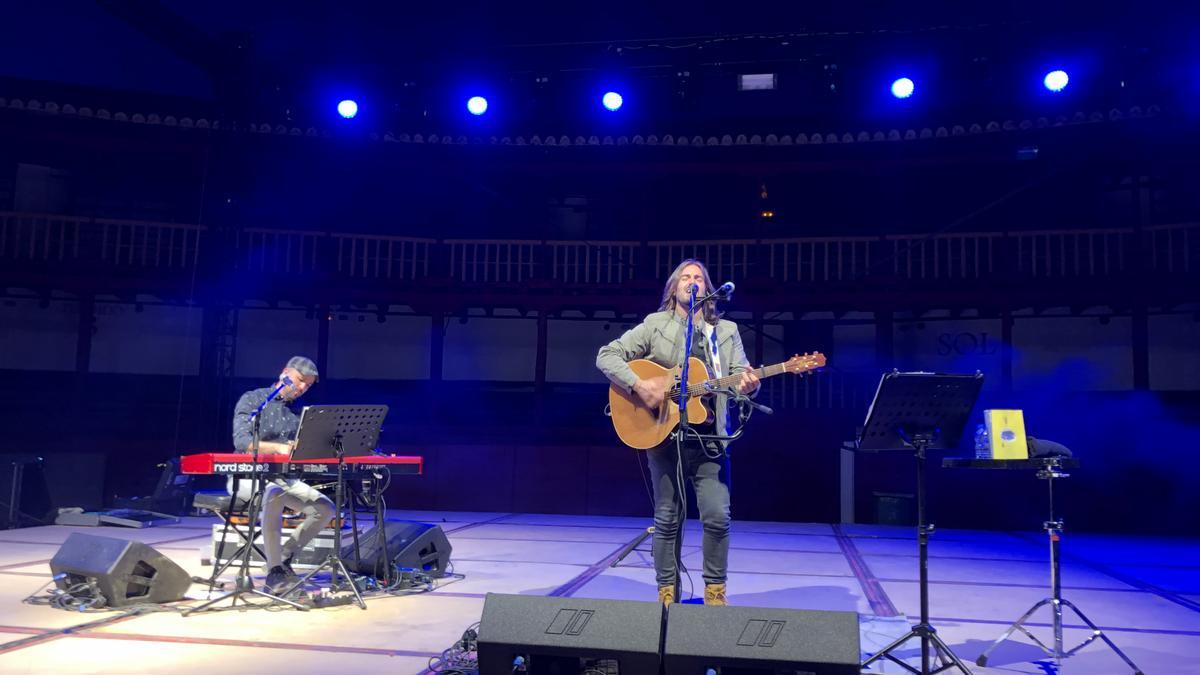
[352, 430]
[917, 412]
[1048, 469]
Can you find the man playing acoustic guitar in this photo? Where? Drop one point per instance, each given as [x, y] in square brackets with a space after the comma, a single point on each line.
[716, 342]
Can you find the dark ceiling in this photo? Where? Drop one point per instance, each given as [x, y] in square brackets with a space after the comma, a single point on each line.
[274, 60]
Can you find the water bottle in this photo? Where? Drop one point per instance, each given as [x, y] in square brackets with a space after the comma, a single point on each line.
[983, 449]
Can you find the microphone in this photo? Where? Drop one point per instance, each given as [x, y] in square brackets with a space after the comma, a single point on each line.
[693, 289]
[725, 291]
[284, 383]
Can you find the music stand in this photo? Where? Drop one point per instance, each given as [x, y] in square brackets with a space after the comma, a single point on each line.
[323, 427]
[344, 431]
[915, 412]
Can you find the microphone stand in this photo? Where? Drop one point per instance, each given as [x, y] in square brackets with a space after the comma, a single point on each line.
[680, 433]
[244, 585]
[683, 429]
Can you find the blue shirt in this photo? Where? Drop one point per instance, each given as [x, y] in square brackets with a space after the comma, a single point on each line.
[277, 422]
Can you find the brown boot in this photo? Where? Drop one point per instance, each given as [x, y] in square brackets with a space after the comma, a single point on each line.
[666, 595]
[714, 594]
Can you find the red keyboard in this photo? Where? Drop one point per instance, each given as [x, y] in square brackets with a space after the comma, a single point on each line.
[240, 464]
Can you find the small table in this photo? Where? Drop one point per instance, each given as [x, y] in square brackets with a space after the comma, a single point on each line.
[1048, 469]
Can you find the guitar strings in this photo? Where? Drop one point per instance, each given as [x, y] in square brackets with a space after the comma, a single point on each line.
[697, 389]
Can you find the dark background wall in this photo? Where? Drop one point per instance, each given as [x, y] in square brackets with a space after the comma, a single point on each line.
[496, 445]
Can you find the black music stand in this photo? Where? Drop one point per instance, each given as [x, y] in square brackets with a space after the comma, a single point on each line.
[339, 431]
[915, 412]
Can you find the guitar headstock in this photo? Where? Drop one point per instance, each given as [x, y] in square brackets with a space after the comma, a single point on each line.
[803, 363]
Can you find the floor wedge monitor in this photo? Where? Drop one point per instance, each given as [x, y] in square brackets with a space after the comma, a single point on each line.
[701, 638]
[538, 634]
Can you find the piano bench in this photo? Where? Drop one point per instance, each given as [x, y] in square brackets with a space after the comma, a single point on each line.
[217, 501]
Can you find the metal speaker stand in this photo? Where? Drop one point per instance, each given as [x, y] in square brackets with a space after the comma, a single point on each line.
[1048, 470]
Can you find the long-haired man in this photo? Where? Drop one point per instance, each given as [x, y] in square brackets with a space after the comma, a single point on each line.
[715, 341]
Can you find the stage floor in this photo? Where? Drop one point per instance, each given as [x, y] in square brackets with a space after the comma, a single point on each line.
[1144, 592]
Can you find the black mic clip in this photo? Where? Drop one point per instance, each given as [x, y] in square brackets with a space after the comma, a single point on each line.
[737, 397]
[766, 410]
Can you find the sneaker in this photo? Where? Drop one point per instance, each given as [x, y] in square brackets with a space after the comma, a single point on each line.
[666, 595]
[278, 579]
[714, 594]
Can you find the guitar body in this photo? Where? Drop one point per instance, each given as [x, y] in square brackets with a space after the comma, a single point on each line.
[643, 428]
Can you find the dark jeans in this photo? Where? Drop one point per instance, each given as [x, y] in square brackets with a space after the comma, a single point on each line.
[710, 479]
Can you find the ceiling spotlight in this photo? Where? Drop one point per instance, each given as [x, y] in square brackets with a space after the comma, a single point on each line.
[903, 88]
[347, 108]
[477, 105]
[1056, 80]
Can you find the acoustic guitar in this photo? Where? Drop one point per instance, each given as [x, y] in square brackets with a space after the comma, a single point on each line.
[641, 427]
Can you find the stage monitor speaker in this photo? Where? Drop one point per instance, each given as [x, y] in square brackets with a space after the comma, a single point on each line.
[126, 572]
[418, 546]
[553, 635]
[701, 638]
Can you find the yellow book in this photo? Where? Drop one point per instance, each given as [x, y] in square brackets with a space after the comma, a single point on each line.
[1006, 434]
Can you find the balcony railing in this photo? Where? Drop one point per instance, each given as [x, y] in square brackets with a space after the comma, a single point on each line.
[725, 259]
[820, 259]
[1085, 254]
[493, 260]
[585, 262]
[130, 243]
[116, 243]
[946, 256]
[37, 237]
[1074, 253]
[1173, 249]
[382, 257]
[277, 251]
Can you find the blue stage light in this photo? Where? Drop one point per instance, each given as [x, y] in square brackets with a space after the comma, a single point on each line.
[347, 108]
[477, 105]
[612, 100]
[1056, 80]
[902, 88]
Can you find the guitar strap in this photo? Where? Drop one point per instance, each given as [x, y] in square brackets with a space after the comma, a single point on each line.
[714, 354]
[708, 334]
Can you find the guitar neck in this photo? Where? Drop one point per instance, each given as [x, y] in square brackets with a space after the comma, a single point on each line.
[731, 380]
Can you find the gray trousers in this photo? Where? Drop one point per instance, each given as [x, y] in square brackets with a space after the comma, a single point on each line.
[298, 496]
[710, 480]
